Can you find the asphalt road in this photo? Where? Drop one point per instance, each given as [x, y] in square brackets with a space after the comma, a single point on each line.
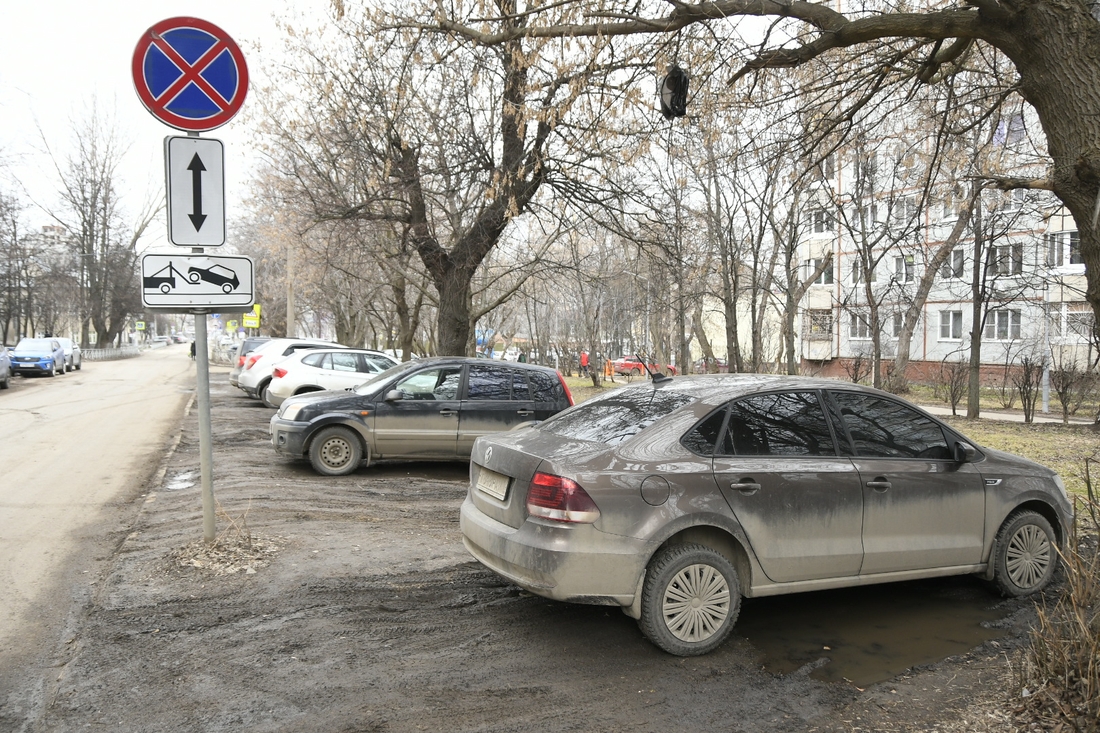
[73, 450]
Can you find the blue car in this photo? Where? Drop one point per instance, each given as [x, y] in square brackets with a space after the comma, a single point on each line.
[38, 356]
[5, 367]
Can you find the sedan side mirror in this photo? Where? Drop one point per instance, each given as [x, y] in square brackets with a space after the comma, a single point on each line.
[393, 395]
[964, 452]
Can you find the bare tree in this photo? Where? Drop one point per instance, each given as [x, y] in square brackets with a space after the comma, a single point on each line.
[447, 139]
[1049, 45]
[103, 244]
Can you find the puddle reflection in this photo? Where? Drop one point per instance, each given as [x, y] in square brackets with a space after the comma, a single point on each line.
[872, 633]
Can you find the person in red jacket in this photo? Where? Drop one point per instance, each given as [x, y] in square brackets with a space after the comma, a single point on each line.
[584, 363]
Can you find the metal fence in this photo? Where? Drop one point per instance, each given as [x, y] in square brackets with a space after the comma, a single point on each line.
[125, 352]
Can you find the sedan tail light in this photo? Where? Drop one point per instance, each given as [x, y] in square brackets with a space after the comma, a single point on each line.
[252, 361]
[279, 372]
[560, 499]
[240, 361]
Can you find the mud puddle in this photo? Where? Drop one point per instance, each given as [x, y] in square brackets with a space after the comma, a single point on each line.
[867, 635]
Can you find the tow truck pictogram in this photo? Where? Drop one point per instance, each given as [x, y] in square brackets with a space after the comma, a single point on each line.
[162, 279]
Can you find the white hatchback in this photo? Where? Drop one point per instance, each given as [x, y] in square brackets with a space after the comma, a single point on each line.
[255, 375]
[324, 369]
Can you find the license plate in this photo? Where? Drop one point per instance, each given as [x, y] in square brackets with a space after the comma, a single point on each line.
[492, 483]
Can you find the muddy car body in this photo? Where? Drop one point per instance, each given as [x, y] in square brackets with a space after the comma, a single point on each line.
[673, 500]
[430, 409]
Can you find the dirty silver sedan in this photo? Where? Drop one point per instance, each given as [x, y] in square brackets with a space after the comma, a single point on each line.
[675, 499]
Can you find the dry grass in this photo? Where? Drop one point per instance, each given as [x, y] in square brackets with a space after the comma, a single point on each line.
[1060, 674]
[1064, 448]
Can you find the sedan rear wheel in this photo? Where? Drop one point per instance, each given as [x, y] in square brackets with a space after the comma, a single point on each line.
[1027, 555]
[335, 452]
[690, 599]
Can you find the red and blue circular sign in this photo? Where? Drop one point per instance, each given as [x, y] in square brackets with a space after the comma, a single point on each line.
[190, 74]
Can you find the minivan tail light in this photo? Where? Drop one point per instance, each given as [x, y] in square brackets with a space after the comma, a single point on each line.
[279, 372]
[252, 361]
[560, 499]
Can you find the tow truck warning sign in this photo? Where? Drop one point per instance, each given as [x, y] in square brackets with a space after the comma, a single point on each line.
[182, 281]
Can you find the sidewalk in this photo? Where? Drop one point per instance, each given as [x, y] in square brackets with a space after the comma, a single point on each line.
[1006, 415]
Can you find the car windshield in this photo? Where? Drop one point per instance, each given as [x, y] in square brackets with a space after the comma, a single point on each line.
[375, 382]
[36, 344]
[616, 416]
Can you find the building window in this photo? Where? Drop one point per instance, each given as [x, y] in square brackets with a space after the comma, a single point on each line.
[857, 272]
[904, 210]
[858, 327]
[1002, 325]
[896, 324]
[954, 203]
[821, 221]
[1072, 320]
[951, 325]
[952, 267]
[903, 269]
[820, 324]
[866, 217]
[866, 167]
[1014, 201]
[1062, 248]
[826, 276]
[1006, 259]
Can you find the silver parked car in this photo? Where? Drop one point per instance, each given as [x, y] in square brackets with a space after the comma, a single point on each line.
[73, 359]
[674, 499]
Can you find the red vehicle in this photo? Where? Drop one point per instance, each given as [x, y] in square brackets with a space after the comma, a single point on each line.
[632, 366]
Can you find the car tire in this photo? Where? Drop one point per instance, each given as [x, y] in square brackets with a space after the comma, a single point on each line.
[690, 599]
[635, 372]
[53, 370]
[335, 451]
[1027, 555]
[6, 382]
[78, 365]
[261, 392]
[68, 366]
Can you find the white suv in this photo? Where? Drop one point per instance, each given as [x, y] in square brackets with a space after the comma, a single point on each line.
[324, 369]
[255, 375]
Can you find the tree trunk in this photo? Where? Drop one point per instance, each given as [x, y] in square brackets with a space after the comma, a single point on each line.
[1054, 47]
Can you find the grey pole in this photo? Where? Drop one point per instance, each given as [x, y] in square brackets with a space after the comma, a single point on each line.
[206, 450]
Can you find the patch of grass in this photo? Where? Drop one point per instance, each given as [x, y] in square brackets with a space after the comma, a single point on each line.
[1063, 448]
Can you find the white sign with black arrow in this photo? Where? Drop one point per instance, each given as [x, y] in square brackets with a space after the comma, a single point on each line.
[195, 173]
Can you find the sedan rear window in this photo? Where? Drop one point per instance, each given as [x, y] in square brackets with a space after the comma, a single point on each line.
[790, 424]
[613, 418]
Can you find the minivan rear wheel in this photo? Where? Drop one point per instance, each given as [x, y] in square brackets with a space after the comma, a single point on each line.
[690, 599]
[335, 451]
[1027, 554]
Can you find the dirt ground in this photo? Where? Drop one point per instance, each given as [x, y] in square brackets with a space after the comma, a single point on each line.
[349, 604]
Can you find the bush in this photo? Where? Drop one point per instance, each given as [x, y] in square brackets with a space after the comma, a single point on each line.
[1060, 674]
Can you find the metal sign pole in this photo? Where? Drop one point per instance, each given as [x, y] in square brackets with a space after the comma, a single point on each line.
[206, 449]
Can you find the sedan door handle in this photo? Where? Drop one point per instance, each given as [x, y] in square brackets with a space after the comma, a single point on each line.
[525, 413]
[880, 484]
[747, 487]
[448, 412]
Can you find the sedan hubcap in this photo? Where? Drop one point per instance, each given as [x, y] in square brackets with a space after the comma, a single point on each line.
[335, 452]
[696, 603]
[1028, 556]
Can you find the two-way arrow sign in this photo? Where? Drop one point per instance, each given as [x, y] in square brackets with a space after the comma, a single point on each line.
[194, 169]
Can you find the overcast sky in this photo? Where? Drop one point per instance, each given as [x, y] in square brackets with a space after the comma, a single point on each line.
[56, 56]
